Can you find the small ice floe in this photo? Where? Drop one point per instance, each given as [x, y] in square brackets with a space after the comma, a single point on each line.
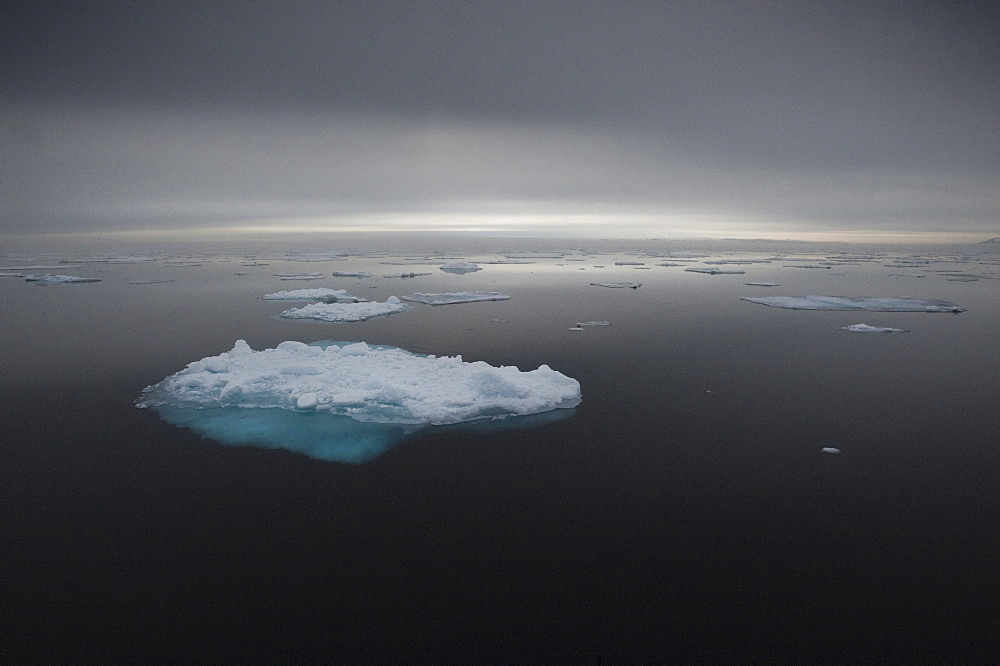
[324, 294]
[737, 262]
[865, 328]
[762, 284]
[405, 275]
[593, 323]
[617, 285]
[182, 264]
[536, 255]
[20, 275]
[962, 279]
[630, 263]
[241, 273]
[669, 264]
[50, 278]
[829, 449]
[299, 276]
[807, 266]
[460, 267]
[575, 328]
[456, 297]
[714, 271]
[345, 312]
[499, 321]
[305, 257]
[150, 281]
[871, 304]
[913, 275]
[253, 263]
[351, 274]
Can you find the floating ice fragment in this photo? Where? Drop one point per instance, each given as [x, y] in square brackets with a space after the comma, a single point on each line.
[49, 278]
[865, 328]
[829, 449]
[872, 304]
[629, 263]
[405, 275]
[324, 294]
[150, 281]
[762, 284]
[299, 276]
[617, 285]
[355, 401]
[456, 297]
[460, 267]
[345, 312]
[714, 271]
[353, 274]
[594, 323]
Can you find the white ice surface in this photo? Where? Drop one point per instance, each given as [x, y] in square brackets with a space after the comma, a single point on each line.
[829, 449]
[865, 328]
[320, 294]
[714, 271]
[345, 312]
[871, 304]
[371, 384]
[457, 297]
[299, 276]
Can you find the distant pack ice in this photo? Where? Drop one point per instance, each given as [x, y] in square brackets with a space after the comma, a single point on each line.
[870, 304]
[367, 383]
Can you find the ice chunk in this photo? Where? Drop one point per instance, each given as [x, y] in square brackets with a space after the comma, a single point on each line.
[762, 284]
[457, 297]
[343, 312]
[354, 274]
[872, 304]
[460, 267]
[714, 271]
[299, 276]
[535, 255]
[617, 285]
[50, 278]
[829, 449]
[629, 263]
[324, 294]
[865, 328]
[356, 401]
[594, 323]
[405, 275]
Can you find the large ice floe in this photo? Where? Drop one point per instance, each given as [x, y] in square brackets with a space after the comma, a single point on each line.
[324, 294]
[349, 402]
[345, 312]
[866, 303]
[456, 297]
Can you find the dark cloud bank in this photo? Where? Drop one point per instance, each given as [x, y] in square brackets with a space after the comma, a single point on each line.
[807, 116]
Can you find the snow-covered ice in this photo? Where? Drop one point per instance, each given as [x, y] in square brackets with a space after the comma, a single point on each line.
[453, 298]
[865, 328]
[460, 267]
[50, 278]
[324, 294]
[871, 304]
[829, 449]
[350, 401]
[345, 312]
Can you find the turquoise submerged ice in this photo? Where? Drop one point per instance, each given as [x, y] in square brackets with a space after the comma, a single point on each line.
[347, 402]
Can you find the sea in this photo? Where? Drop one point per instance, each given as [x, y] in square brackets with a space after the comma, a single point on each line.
[685, 511]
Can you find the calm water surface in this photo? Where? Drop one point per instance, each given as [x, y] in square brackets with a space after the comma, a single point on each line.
[684, 511]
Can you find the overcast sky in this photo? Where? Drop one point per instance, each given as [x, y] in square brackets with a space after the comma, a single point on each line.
[609, 118]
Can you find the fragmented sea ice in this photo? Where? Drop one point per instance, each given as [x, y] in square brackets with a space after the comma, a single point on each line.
[617, 285]
[460, 267]
[299, 276]
[50, 278]
[714, 271]
[353, 274]
[829, 449]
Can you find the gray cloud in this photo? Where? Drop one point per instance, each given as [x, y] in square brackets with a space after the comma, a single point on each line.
[866, 115]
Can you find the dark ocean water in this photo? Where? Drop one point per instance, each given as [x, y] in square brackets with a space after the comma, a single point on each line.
[683, 512]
